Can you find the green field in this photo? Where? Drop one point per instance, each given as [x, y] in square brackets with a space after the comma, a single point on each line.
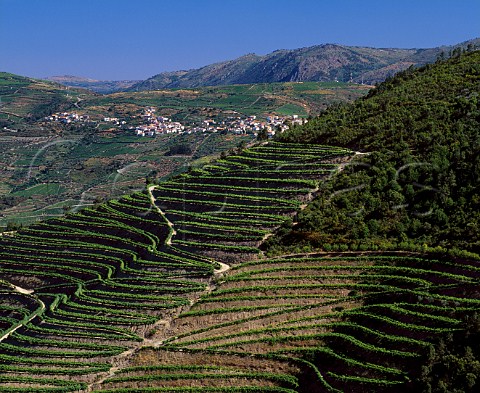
[41, 189]
[290, 110]
[220, 102]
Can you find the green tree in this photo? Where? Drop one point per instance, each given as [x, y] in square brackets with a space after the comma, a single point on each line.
[262, 135]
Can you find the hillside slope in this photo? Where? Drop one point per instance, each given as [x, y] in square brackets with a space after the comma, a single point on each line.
[24, 100]
[135, 295]
[328, 62]
[420, 183]
[80, 294]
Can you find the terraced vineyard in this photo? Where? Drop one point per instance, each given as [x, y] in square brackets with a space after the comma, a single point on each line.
[89, 285]
[166, 290]
[357, 323]
[226, 209]
[84, 292]
[319, 323]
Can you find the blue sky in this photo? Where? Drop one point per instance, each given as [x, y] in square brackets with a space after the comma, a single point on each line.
[135, 39]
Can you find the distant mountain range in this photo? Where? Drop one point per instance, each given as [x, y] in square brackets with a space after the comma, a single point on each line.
[323, 63]
[103, 87]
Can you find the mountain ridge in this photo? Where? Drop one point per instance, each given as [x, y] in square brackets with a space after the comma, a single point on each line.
[318, 63]
[69, 79]
[325, 62]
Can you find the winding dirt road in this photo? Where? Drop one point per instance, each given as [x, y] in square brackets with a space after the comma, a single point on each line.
[173, 232]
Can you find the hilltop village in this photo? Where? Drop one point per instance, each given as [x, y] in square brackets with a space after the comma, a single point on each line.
[152, 125]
